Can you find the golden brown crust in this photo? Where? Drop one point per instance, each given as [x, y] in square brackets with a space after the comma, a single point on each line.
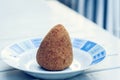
[55, 51]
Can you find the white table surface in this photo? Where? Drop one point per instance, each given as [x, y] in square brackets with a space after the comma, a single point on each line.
[19, 22]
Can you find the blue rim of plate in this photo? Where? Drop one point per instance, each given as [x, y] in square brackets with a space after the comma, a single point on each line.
[96, 51]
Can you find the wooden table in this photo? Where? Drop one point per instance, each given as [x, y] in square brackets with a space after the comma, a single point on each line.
[35, 18]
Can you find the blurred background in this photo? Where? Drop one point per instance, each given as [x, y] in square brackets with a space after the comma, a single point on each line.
[105, 13]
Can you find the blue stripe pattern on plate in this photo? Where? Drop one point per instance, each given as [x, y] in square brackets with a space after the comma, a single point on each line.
[98, 57]
[96, 49]
[36, 42]
[26, 45]
[97, 61]
[88, 45]
[78, 43]
[17, 48]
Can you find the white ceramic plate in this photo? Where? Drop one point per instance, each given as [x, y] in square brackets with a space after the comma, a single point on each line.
[22, 55]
